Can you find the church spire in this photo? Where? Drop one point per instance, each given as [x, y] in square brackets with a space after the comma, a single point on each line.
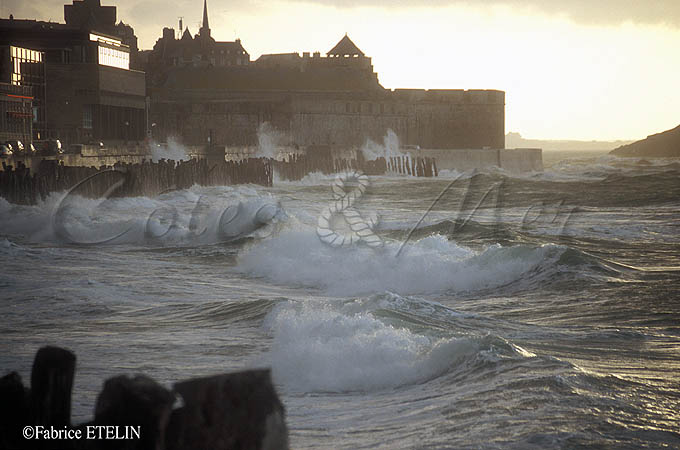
[205, 29]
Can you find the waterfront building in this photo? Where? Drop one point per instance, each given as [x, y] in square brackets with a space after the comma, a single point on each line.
[84, 88]
[309, 100]
[22, 94]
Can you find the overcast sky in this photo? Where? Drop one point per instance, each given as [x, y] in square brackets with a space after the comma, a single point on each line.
[571, 69]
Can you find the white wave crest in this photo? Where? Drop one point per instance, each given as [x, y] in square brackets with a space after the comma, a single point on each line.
[317, 348]
[196, 216]
[431, 265]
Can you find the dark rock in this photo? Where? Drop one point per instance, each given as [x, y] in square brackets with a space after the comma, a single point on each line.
[138, 401]
[228, 412]
[51, 385]
[14, 411]
[660, 145]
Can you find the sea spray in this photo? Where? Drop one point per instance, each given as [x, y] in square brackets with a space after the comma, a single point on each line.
[429, 265]
[197, 216]
[317, 348]
[269, 141]
[173, 150]
[335, 346]
[390, 148]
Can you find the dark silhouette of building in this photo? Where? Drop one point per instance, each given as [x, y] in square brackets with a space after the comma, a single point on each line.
[187, 51]
[311, 100]
[91, 15]
[90, 92]
[205, 90]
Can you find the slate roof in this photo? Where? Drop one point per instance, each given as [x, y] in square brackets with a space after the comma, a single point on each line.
[345, 47]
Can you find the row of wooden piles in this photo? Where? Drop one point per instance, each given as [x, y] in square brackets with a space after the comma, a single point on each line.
[295, 167]
[20, 185]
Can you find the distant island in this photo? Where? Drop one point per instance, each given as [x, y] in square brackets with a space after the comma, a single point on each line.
[515, 140]
[660, 145]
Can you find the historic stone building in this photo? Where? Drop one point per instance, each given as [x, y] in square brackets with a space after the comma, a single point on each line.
[198, 51]
[204, 90]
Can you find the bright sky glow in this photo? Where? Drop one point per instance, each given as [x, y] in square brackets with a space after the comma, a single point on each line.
[564, 78]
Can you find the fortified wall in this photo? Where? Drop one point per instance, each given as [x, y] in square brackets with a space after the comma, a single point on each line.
[425, 118]
[332, 101]
[429, 119]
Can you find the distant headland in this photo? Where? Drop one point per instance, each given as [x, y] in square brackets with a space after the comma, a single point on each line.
[660, 145]
[515, 140]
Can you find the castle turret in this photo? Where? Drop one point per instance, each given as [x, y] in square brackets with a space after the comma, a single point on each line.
[345, 48]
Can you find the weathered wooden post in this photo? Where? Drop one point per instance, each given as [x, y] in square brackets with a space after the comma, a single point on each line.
[227, 412]
[14, 411]
[138, 403]
[51, 385]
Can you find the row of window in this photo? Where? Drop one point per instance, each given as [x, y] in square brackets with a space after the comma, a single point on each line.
[27, 67]
[15, 118]
[369, 108]
[236, 52]
[26, 54]
[113, 122]
[114, 58]
[221, 61]
[111, 52]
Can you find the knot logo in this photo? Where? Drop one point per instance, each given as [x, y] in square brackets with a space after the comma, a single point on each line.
[340, 225]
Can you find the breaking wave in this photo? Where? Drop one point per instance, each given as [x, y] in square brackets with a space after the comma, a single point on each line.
[331, 347]
[197, 216]
[430, 265]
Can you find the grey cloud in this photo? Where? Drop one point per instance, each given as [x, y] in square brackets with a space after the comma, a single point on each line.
[595, 12]
[160, 12]
[35, 9]
[148, 17]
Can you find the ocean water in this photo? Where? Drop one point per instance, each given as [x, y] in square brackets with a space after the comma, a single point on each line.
[532, 311]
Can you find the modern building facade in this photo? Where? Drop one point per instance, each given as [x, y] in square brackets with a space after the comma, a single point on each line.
[83, 87]
[91, 15]
[22, 94]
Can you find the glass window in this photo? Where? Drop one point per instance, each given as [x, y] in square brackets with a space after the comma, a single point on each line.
[114, 58]
[87, 117]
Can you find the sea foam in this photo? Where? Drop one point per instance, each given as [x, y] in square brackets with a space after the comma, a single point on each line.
[317, 348]
[335, 346]
[297, 257]
[196, 216]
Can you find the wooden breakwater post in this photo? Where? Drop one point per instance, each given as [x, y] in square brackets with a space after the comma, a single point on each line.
[20, 185]
[296, 167]
[225, 412]
[51, 385]
[235, 411]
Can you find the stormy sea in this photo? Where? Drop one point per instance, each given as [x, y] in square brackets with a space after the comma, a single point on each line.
[483, 309]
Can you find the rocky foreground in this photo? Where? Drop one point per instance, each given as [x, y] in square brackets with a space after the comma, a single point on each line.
[223, 412]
